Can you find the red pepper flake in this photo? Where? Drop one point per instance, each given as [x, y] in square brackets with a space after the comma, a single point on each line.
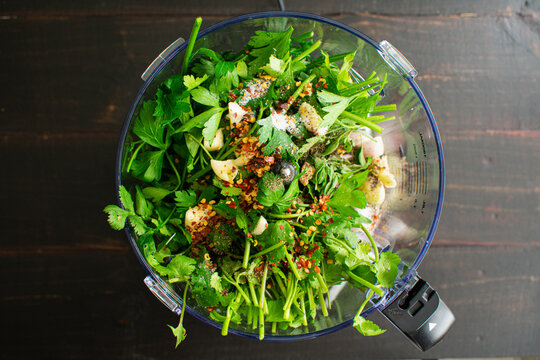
[290, 100]
[330, 221]
[211, 308]
[316, 269]
[281, 227]
[249, 235]
[323, 233]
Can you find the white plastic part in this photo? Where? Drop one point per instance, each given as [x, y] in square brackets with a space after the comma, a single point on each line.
[396, 60]
[160, 58]
[162, 295]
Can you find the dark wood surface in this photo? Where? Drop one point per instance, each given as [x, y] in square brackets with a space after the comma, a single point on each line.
[73, 288]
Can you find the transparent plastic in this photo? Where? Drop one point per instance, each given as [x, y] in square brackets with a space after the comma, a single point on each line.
[411, 211]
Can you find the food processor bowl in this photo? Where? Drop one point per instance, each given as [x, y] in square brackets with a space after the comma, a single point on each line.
[408, 217]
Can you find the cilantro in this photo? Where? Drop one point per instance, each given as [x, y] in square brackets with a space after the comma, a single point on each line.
[271, 189]
[191, 82]
[347, 194]
[273, 138]
[231, 191]
[117, 216]
[143, 207]
[180, 268]
[387, 269]
[202, 291]
[366, 327]
[277, 232]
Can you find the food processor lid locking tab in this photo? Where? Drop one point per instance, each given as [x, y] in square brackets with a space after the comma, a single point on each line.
[396, 60]
[420, 314]
[162, 294]
[160, 58]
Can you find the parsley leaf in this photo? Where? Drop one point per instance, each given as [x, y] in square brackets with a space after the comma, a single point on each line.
[148, 129]
[148, 165]
[267, 43]
[212, 125]
[155, 194]
[191, 82]
[347, 194]
[170, 106]
[185, 198]
[387, 269]
[205, 97]
[143, 207]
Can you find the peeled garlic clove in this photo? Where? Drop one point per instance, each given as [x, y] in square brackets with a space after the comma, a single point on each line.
[311, 119]
[217, 143]
[260, 227]
[236, 113]
[371, 148]
[226, 170]
[240, 161]
[373, 190]
[194, 216]
[384, 175]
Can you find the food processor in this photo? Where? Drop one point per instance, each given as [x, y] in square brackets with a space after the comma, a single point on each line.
[408, 217]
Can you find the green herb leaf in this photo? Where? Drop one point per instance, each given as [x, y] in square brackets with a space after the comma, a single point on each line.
[241, 219]
[155, 194]
[138, 225]
[117, 216]
[148, 165]
[271, 189]
[148, 128]
[143, 207]
[191, 82]
[180, 268]
[387, 269]
[125, 199]
[205, 97]
[231, 191]
[211, 126]
[185, 198]
[199, 120]
[366, 327]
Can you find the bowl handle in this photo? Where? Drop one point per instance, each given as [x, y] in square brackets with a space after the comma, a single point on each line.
[420, 314]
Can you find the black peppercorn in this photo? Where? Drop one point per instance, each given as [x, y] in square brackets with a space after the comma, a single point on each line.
[285, 170]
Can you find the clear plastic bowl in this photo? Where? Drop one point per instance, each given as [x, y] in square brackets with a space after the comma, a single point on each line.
[411, 211]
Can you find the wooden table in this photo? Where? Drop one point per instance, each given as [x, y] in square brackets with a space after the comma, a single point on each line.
[74, 288]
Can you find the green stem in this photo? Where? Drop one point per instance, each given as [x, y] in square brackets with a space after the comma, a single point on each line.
[363, 305]
[225, 327]
[134, 156]
[304, 36]
[175, 171]
[288, 216]
[191, 43]
[333, 58]
[297, 92]
[263, 284]
[184, 303]
[299, 225]
[267, 250]
[311, 300]
[202, 146]
[373, 245]
[365, 283]
[303, 305]
[218, 156]
[255, 319]
[322, 283]
[322, 303]
[292, 265]
[247, 249]
[362, 121]
[253, 294]
[198, 174]
[308, 51]
[261, 323]
[230, 151]
[274, 327]
[280, 285]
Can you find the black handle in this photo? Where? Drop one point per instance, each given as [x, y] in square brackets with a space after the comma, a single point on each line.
[420, 314]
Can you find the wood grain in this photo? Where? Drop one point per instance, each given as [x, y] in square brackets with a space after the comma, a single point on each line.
[70, 71]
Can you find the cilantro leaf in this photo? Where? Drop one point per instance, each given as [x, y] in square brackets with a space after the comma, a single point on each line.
[275, 66]
[125, 198]
[202, 291]
[366, 327]
[180, 268]
[277, 232]
[148, 128]
[179, 332]
[271, 189]
[205, 97]
[191, 82]
[231, 191]
[387, 269]
[265, 130]
[241, 219]
[185, 198]
[242, 69]
[347, 194]
[215, 282]
[117, 216]
[148, 165]
[138, 225]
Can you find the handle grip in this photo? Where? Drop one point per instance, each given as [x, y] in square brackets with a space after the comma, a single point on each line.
[420, 314]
